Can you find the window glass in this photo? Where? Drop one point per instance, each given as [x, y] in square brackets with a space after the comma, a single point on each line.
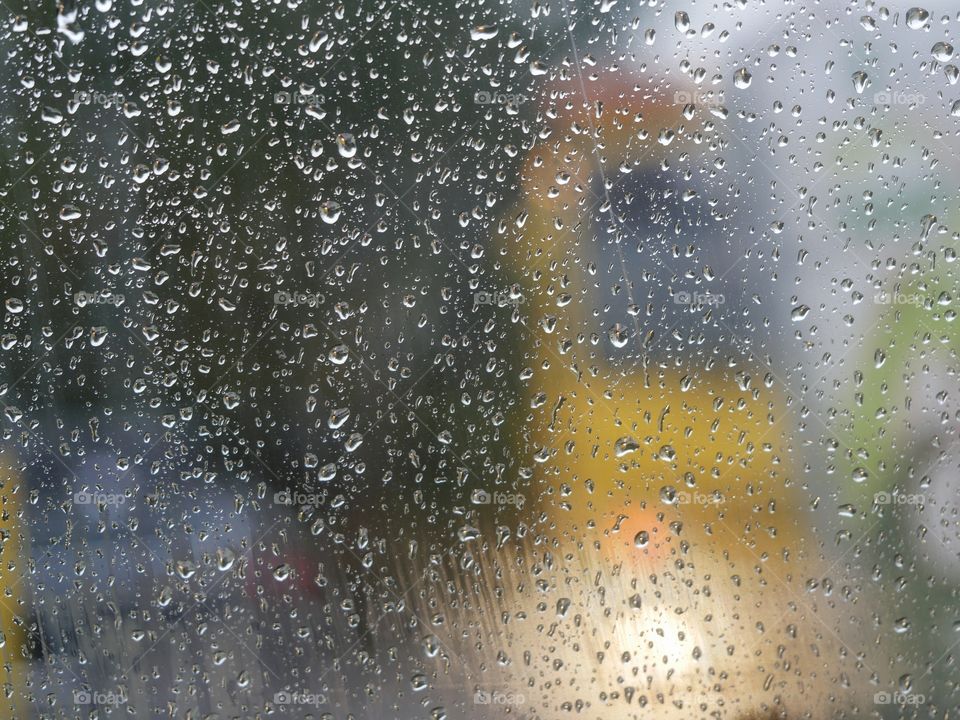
[416, 359]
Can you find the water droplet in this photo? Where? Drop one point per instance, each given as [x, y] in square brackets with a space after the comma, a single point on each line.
[339, 354]
[330, 212]
[51, 115]
[942, 51]
[225, 559]
[70, 212]
[917, 18]
[185, 569]
[484, 32]
[282, 572]
[346, 145]
[625, 446]
[860, 81]
[467, 533]
[98, 334]
[619, 335]
[337, 418]
[742, 79]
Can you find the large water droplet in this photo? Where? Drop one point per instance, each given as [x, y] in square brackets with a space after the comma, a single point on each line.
[330, 212]
[339, 354]
[742, 78]
[917, 18]
[346, 145]
[942, 51]
[484, 32]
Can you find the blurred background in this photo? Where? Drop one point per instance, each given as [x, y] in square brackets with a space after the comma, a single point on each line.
[438, 360]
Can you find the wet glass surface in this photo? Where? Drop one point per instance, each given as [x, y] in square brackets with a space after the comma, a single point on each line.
[477, 360]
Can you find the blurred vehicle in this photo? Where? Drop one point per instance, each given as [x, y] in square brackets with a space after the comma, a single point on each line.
[670, 568]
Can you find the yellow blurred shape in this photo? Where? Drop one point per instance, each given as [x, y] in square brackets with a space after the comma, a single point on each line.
[12, 610]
